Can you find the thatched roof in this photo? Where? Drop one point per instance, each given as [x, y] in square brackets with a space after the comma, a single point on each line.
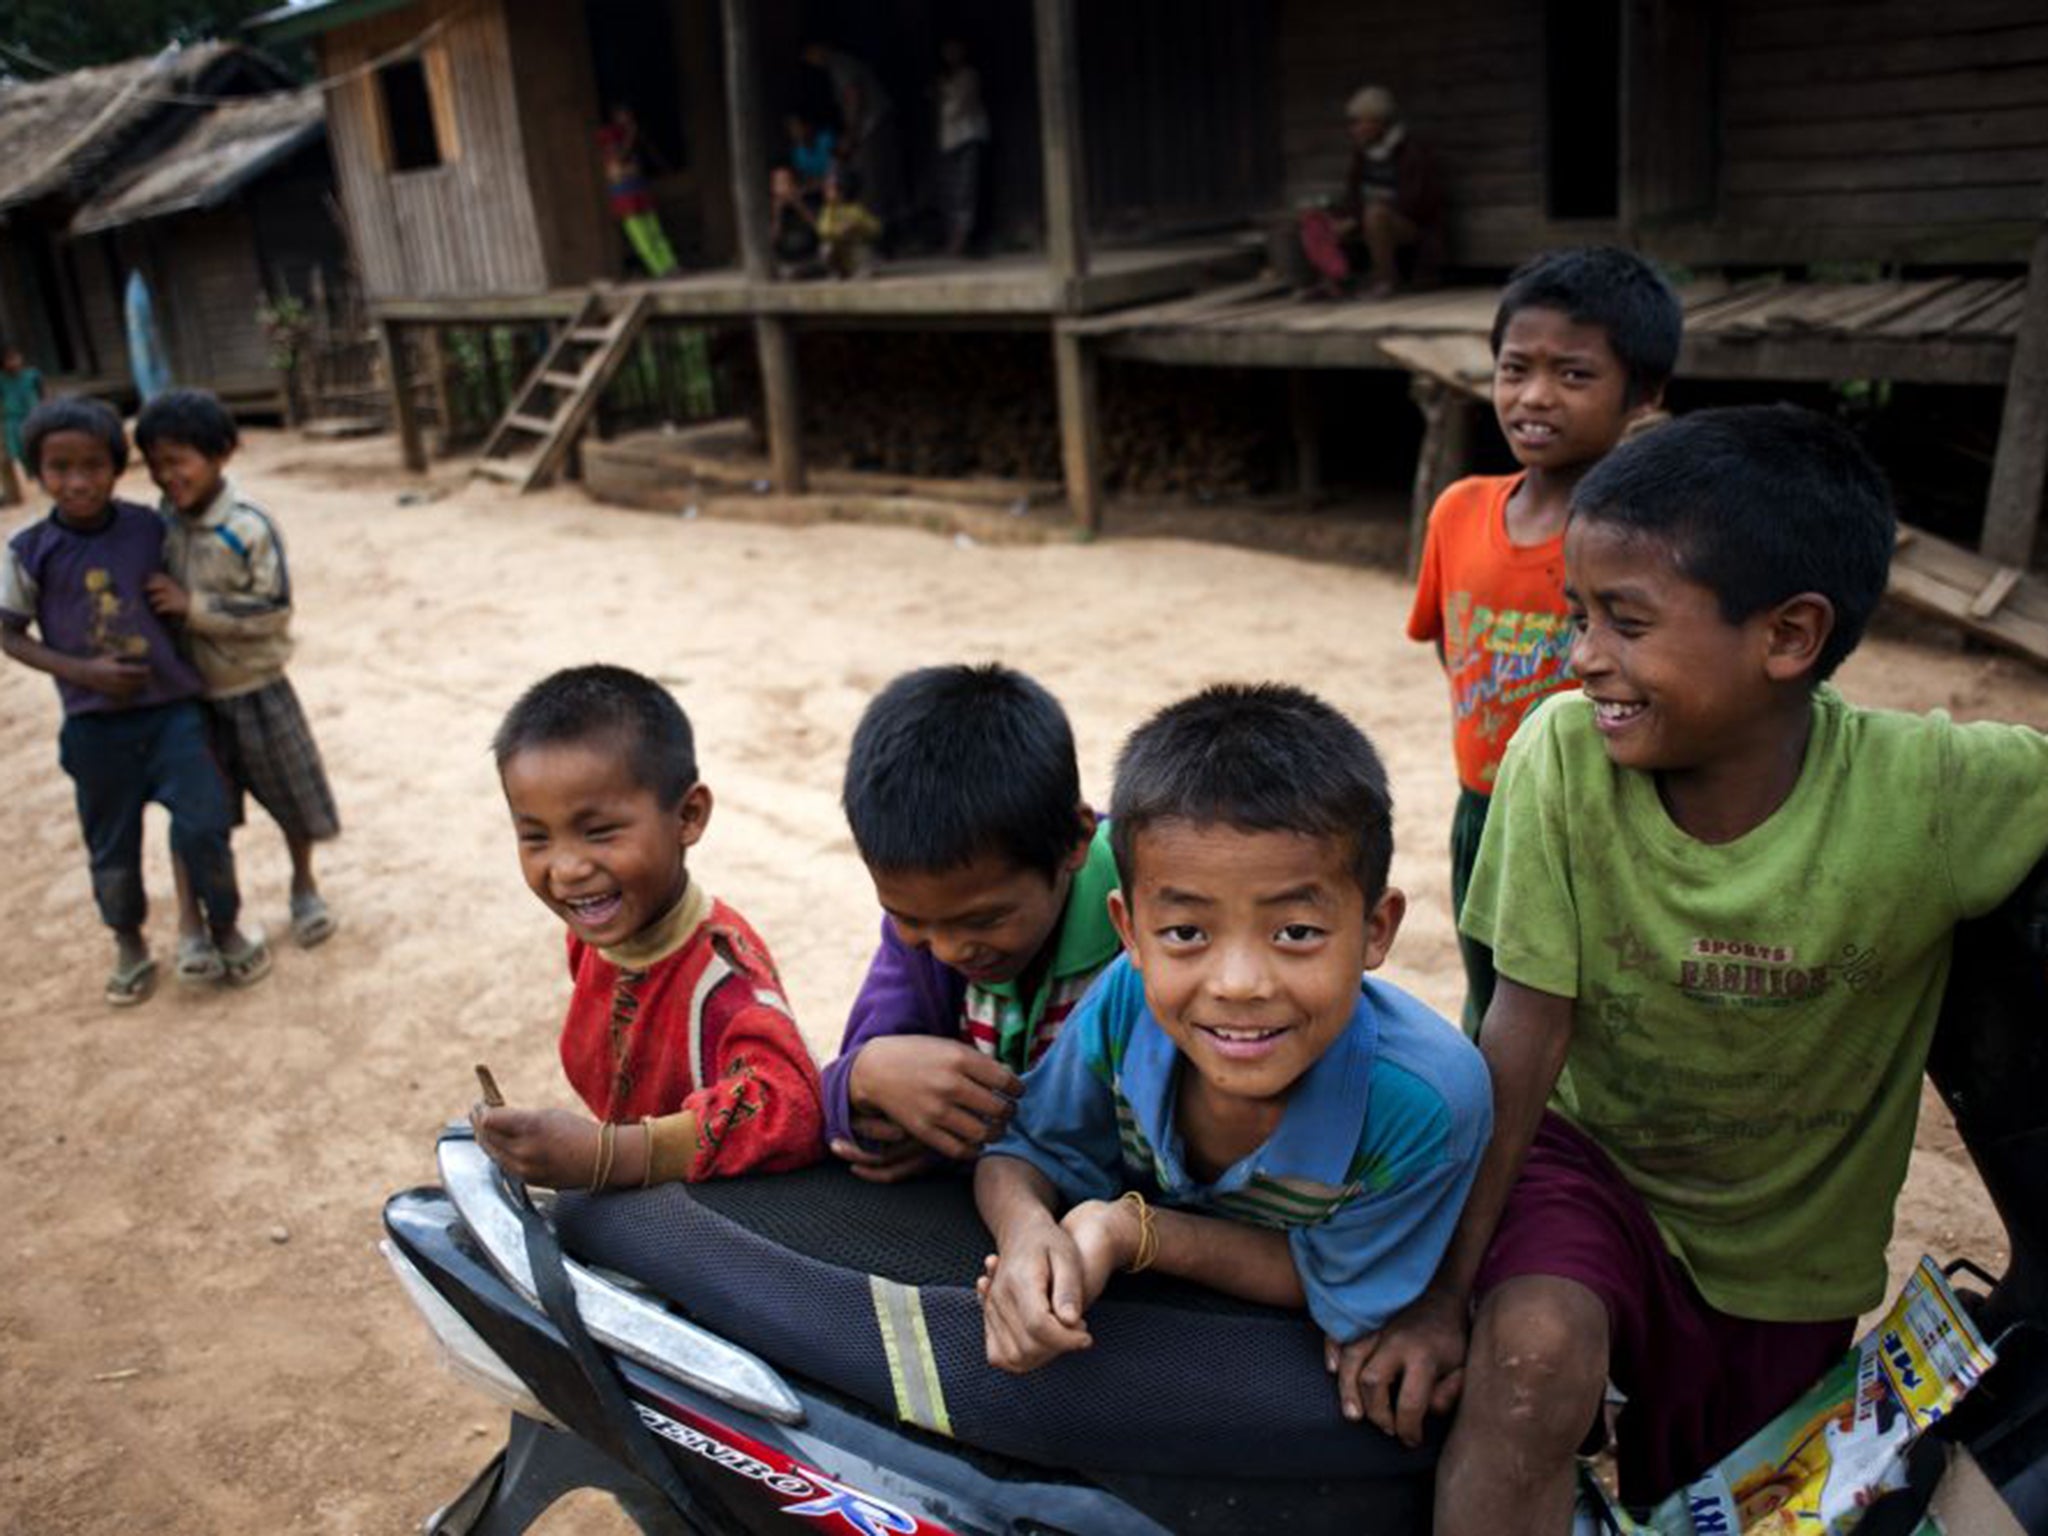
[55, 134]
[220, 153]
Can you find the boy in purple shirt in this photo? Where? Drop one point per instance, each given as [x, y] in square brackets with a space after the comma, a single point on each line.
[965, 802]
[133, 731]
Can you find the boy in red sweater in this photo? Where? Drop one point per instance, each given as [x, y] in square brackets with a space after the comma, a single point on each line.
[1583, 343]
[678, 1038]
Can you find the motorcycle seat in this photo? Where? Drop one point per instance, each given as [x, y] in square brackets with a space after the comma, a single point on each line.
[869, 1289]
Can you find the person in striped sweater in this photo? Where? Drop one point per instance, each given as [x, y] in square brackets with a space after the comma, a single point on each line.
[1236, 1102]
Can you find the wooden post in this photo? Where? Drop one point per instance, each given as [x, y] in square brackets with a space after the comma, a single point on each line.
[413, 447]
[783, 403]
[1308, 434]
[2012, 512]
[1446, 448]
[437, 381]
[1073, 359]
[773, 341]
[744, 127]
[1059, 132]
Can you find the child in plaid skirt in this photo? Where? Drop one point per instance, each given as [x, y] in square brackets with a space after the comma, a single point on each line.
[225, 578]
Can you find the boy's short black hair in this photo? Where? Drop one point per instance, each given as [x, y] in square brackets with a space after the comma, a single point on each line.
[194, 417]
[634, 713]
[1262, 757]
[951, 763]
[1614, 289]
[73, 413]
[1757, 503]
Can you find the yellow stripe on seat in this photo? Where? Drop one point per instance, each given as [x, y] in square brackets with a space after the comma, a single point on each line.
[913, 1368]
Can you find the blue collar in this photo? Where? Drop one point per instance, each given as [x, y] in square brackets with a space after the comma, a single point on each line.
[1332, 1093]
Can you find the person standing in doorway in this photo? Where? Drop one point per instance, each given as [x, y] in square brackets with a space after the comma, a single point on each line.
[963, 142]
[625, 183]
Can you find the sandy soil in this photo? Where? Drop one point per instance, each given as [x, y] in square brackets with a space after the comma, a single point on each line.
[196, 1331]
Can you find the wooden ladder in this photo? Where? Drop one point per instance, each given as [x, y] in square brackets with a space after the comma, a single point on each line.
[530, 444]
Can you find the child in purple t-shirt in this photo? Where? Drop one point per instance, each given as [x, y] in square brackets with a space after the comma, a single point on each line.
[133, 731]
[964, 798]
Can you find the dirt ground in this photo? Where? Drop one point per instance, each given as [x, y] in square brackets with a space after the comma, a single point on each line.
[196, 1331]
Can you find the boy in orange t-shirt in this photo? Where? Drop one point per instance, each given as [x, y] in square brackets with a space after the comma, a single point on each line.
[1583, 344]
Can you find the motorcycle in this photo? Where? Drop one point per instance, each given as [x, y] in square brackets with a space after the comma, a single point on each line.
[805, 1350]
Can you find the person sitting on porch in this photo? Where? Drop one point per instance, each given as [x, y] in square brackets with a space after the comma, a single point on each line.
[625, 183]
[847, 230]
[869, 145]
[1391, 205]
[792, 227]
[812, 150]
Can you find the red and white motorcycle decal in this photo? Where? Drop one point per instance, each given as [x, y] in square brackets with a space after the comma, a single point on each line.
[805, 1492]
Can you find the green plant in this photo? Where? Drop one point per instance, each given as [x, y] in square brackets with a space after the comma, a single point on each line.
[287, 325]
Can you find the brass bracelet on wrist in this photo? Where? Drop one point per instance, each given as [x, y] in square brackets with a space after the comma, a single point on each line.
[1148, 1233]
[607, 1135]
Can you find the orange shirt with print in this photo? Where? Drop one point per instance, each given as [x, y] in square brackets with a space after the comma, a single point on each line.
[1498, 610]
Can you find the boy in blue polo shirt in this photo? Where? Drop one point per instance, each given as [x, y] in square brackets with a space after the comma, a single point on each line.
[1235, 1102]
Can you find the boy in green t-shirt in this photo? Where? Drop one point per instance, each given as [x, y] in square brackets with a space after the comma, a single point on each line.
[1720, 900]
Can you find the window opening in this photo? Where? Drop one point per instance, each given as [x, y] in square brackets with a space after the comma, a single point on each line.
[409, 116]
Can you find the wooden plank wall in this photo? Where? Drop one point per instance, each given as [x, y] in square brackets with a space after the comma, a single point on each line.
[293, 211]
[211, 291]
[557, 100]
[100, 285]
[1884, 128]
[465, 227]
[1469, 77]
[1178, 114]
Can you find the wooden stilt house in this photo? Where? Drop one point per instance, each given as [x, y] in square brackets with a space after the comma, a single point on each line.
[1854, 189]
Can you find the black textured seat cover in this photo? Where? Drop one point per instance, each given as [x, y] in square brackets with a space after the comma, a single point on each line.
[1181, 1380]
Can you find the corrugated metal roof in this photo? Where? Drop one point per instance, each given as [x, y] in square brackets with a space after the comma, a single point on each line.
[221, 152]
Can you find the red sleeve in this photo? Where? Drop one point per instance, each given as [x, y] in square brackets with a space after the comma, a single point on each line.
[763, 1111]
[575, 952]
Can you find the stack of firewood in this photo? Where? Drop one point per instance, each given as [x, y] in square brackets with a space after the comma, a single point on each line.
[1190, 432]
[958, 405]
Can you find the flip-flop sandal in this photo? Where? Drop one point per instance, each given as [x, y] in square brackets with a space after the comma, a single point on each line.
[130, 984]
[199, 961]
[247, 963]
[312, 923]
